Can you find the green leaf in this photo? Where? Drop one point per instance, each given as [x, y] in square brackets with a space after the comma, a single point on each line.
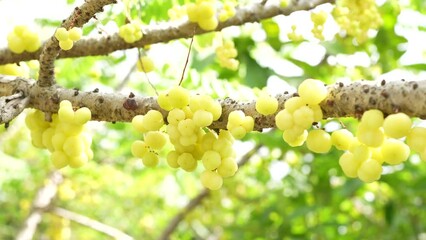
[256, 75]
[416, 67]
[205, 40]
[48, 22]
[272, 31]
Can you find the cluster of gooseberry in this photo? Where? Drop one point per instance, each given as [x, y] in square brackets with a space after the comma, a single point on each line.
[65, 136]
[227, 11]
[203, 12]
[130, 32]
[318, 18]
[378, 140]
[300, 112]
[356, 17]
[23, 39]
[226, 54]
[188, 119]
[67, 38]
[239, 124]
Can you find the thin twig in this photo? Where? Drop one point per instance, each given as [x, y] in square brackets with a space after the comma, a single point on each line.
[143, 68]
[173, 224]
[91, 223]
[186, 62]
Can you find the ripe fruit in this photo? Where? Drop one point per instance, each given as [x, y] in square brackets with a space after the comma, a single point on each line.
[342, 139]
[139, 148]
[266, 104]
[130, 32]
[303, 117]
[61, 34]
[155, 139]
[150, 159]
[397, 125]
[204, 13]
[211, 160]
[66, 45]
[65, 136]
[312, 91]
[227, 11]
[349, 164]
[67, 38]
[226, 54]
[370, 171]
[187, 162]
[75, 33]
[372, 119]
[294, 103]
[239, 124]
[202, 118]
[145, 64]
[178, 97]
[416, 139]
[318, 141]
[295, 136]
[284, 120]
[365, 15]
[394, 151]
[211, 180]
[23, 39]
[153, 120]
[370, 137]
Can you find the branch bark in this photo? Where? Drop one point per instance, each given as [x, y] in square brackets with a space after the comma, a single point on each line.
[51, 47]
[43, 200]
[343, 100]
[165, 32]
[91, 223]
[194, 202]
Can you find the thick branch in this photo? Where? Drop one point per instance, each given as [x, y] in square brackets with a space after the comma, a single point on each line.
[12, 106]
[41, 203]
[91, 223]
[166, 32]
[173, 224]
[343, 100]
[51, 47]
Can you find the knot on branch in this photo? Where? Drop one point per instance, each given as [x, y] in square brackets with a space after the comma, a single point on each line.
[11, 106]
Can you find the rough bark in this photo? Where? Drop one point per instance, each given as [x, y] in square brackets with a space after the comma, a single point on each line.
[165, 32]
[343, 100]
[51, 48]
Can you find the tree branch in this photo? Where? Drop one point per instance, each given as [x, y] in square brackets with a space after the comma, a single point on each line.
[51, 47]
[173, 224]
[91, 223]
[343, 100]
[165, 32]
[41, 204]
